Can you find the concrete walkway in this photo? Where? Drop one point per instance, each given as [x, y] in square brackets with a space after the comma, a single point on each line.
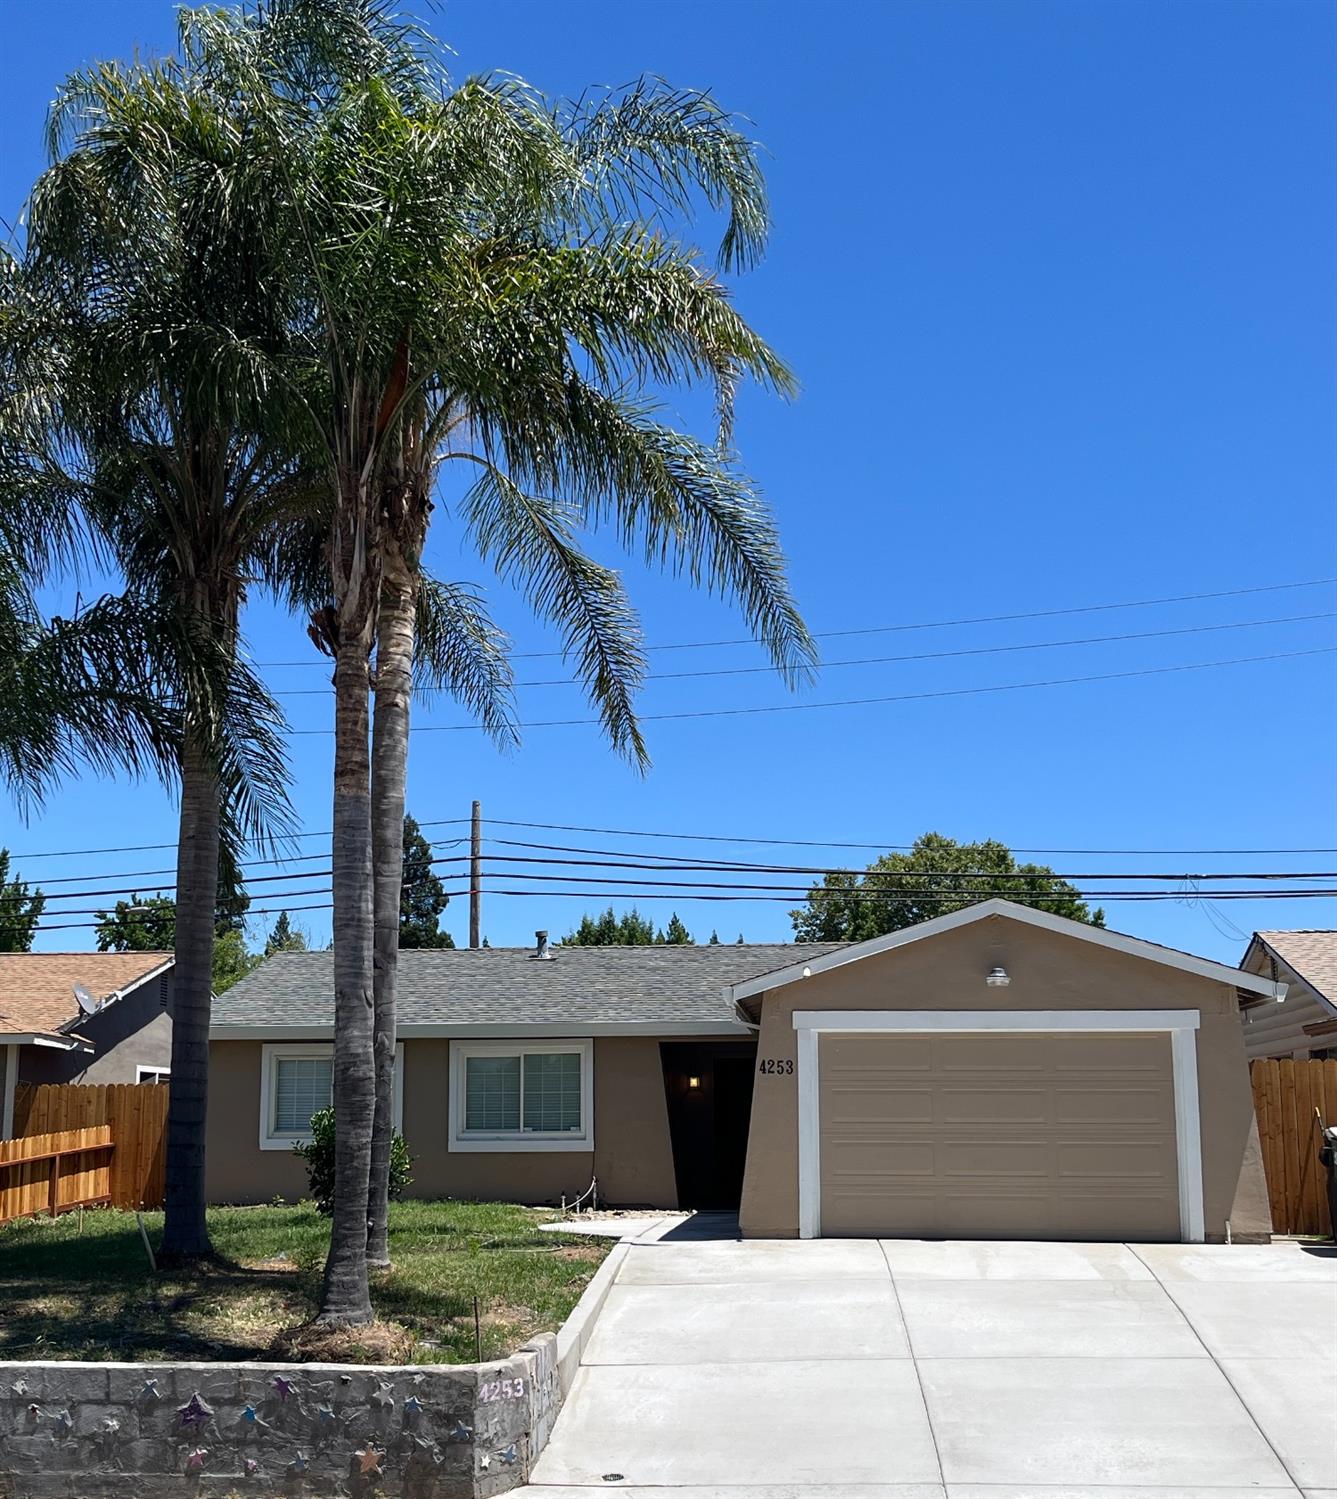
[724, 1369]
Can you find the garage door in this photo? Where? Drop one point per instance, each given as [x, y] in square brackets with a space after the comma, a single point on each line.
[987, 1136]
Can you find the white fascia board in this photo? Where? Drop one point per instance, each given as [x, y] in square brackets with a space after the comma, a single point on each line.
[52, 1042]
[485, 1030]
[1135, 947]
[118, 994]
[143, 979]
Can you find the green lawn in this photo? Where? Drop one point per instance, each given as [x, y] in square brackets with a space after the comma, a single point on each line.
[89, 1294]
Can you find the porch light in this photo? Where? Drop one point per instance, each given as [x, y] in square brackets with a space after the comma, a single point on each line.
[997, 977]
[694, 1083]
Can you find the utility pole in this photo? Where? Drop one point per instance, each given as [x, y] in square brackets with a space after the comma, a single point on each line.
[476, 877]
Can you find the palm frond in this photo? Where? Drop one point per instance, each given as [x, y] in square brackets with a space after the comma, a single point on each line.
[79, 692]
[458, 650]
[646, 150]
[529, 540]
[687, 509]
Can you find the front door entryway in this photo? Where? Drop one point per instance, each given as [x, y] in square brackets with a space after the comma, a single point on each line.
[708, 1085]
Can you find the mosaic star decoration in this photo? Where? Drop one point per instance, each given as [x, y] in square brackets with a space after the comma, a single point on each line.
[195, 1412]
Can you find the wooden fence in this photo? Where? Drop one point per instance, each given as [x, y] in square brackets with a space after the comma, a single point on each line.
[137, 1114]
[52, 1173]
[1285, 1095]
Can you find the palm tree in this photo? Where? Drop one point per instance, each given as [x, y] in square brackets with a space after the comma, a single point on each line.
[540, 261]
[156, 362]
[490, 281]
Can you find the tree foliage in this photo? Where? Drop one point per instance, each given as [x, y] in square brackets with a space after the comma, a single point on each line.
[936, 876]
[20, 908]
[148, 924]
[318, 1153]
[285, 937]
[422, 897]
[628, 930]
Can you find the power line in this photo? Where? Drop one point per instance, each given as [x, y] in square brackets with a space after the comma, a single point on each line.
[259, 879]
[863, 702]
[736, 867]
[1019, 898]
[933, 624]
[566, 827]
[672, 864]
[985, 650]
[880, 846]
[141, 848]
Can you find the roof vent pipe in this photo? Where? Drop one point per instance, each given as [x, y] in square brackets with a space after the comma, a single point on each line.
[541, 947]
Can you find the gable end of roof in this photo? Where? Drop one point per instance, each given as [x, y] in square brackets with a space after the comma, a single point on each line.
[752, 989]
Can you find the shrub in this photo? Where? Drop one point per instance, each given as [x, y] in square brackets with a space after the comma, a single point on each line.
[319, 1158]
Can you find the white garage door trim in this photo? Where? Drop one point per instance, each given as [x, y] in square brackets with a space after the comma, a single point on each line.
[1180, 1025]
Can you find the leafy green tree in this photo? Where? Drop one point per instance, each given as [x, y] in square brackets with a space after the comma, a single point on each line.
[140, 924]
[148, 924]
[318, 1153]
[610, 930]
[938, 875]
[20, 908]
[676, 934]
[232, 960]
[422, 897]
[629, 930]
[285, 937]
[714, 938]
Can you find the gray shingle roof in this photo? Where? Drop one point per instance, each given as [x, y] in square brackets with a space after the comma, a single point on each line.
[508, 986]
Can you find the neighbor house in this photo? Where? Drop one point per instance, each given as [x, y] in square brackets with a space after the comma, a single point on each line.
[992, 1073]
[1306, 1025]
[83, 1017]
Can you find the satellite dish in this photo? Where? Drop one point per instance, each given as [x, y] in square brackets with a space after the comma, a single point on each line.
[87, 1003]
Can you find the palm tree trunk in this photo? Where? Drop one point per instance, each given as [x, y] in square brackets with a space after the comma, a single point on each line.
[390, 746]
[346, 1299]
[185, 1235]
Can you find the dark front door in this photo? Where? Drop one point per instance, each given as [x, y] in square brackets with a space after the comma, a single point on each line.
[709, 1090]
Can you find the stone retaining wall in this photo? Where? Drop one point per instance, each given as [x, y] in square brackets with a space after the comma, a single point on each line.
[85, 1430]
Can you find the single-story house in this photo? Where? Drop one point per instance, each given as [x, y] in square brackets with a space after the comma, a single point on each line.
[996, 1072]
[1306, 1025]
[83, 1017]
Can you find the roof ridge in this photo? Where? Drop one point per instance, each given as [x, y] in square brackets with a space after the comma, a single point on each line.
[142, 952]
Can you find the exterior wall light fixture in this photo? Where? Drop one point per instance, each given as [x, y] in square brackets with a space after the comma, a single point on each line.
[997, 977]
[694, 1083]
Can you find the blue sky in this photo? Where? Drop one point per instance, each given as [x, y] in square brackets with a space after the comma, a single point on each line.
[1057, 280]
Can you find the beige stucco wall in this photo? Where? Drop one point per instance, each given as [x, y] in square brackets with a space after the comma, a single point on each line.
[1048, 972]
[632, 1156]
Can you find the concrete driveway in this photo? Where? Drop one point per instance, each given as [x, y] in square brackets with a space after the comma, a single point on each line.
[724, 1369]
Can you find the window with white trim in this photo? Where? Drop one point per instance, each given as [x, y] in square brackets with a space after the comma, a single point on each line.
[302, 1087]
[145, 1074]
[510, 1096]
[296, 1081]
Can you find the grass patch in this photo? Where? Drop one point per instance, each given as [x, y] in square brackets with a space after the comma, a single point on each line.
[89, 1294]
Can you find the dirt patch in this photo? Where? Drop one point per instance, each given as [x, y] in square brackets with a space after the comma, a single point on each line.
[279, 1265]
[579, 1252]
[375, 1343]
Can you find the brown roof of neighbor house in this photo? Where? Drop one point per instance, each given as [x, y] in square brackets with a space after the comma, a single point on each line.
[37, 988]
[1312, 954]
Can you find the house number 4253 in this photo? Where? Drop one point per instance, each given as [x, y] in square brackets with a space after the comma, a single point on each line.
[774, 1066]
